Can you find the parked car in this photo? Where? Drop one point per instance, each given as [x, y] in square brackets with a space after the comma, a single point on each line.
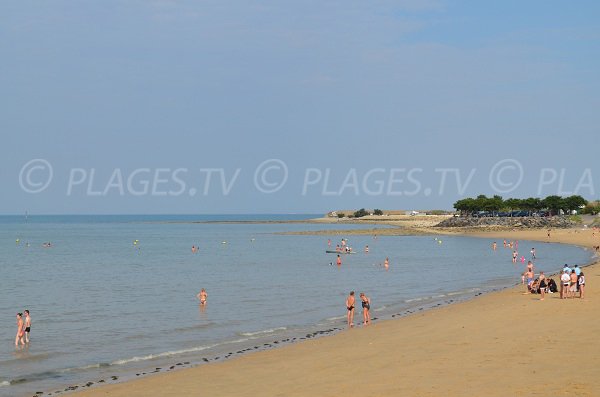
[519, 213]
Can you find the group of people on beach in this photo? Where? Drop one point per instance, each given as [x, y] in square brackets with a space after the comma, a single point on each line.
[366, 307]
[571, 282]
[23, 328]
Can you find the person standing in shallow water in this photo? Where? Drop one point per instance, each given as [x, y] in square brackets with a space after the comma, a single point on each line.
[202, 295]
[339, 260]
[27, 325]
[366, 306]
[20, 330]
[350, 306]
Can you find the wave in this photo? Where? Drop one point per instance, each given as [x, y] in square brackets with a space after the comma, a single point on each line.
[266, 331]
[54, 373]
[84, 367]
[161, 355]
[464, 291]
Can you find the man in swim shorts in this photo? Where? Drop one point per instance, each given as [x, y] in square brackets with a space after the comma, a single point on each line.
[530, 276]
[573, 284]
[350, 307]
[27, 325]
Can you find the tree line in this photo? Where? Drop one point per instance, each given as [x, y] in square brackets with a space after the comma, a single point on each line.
[552, 204]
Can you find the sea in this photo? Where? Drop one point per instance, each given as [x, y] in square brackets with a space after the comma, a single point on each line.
[113, 298]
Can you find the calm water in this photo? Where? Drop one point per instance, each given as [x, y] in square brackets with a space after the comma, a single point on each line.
[103, 306]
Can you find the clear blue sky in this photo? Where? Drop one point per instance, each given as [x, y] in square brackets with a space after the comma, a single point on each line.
[336, 85]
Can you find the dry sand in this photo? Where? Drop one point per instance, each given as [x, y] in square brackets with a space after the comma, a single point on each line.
[500, 344]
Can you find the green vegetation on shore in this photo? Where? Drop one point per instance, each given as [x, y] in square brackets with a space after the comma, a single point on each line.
[552, 204]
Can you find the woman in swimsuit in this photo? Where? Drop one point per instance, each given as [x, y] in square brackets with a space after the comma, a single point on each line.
[543, 285]
[202, 295]
[20, 330]
[366, 306]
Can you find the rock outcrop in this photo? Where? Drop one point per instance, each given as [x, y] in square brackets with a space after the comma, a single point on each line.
[552, 222]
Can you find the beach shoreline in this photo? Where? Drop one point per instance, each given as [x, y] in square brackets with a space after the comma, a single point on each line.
[249, 370]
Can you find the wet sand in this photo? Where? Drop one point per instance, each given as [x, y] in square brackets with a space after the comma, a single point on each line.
[499, 344]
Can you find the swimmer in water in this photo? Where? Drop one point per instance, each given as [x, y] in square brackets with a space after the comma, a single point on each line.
[339, 260]
[386, 263]
[202, 295]
[494, 246]
[367, 249]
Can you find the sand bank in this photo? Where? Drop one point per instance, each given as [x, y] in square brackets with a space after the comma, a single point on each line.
[500, 344]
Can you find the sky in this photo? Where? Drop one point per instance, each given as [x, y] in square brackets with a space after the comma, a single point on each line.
[211, 107]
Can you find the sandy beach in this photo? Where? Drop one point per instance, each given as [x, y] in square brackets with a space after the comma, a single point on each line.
[499, 344]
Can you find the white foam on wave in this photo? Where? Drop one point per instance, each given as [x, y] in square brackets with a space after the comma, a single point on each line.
[464, 291]
[262, 332]
[160, 355]
[83, 368]
[4, 383]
